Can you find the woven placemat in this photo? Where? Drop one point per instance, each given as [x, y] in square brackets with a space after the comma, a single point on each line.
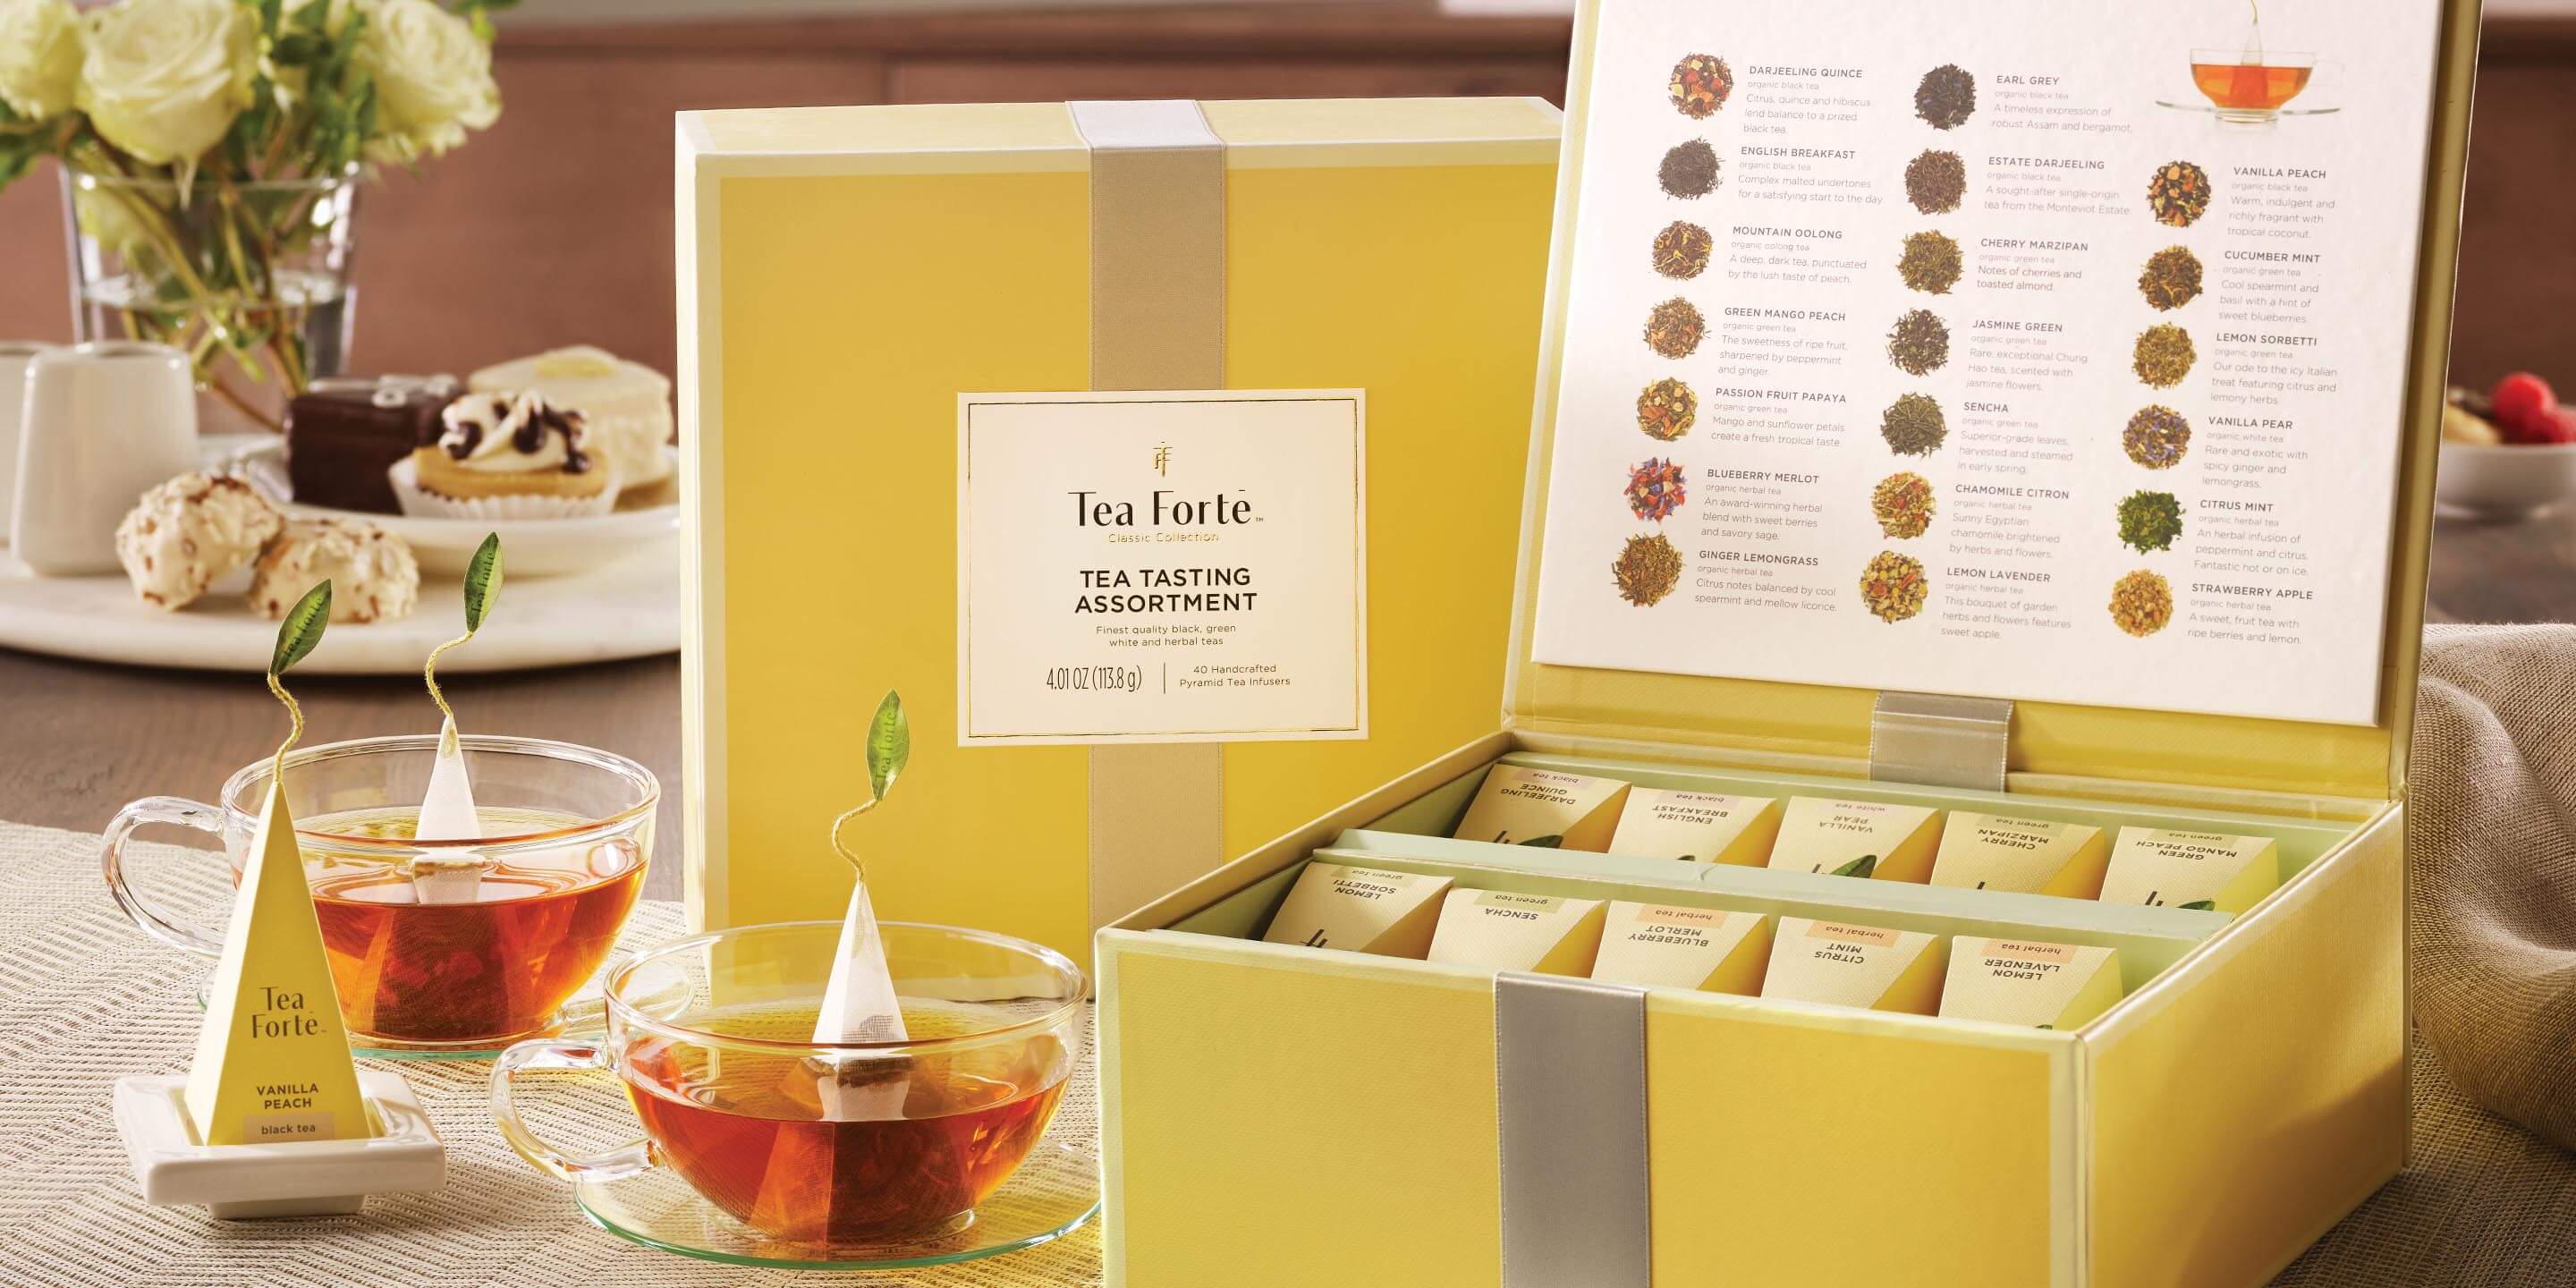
[89, 999]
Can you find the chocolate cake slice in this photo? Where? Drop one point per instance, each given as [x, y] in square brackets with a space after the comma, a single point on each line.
[344, 433]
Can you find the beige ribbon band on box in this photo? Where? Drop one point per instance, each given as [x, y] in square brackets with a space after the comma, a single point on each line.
[1157, 322]
[1570, 1114]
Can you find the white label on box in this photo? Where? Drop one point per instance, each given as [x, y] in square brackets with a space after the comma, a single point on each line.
[1991, 347]
[1182, 566]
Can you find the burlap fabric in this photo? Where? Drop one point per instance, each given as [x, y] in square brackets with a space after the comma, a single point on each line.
[2492, 849]
[85, 999]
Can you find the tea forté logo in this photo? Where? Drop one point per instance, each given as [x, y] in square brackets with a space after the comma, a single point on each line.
[1163, 458]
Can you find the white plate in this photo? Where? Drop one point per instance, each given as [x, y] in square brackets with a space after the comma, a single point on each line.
[630, 608]
[529, 547]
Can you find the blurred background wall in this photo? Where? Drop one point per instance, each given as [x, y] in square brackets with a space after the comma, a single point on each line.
[556, 225]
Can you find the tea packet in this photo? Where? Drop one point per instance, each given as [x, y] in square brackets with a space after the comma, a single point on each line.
[1706, 950]
[1847, 838]
[272, 1062]
[447, 814]
[1546, 808]
[2036, 856]
[1500, 930]
[1364, 910]
[860, 1004]
[447, 810]
[1870, 968]
[2205, 870]
[2021, 981]
[1697, 827]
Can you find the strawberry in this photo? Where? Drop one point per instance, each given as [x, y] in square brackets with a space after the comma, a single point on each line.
[2559, 426]
[2525, 408]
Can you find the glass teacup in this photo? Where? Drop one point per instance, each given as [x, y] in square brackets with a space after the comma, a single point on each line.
[818, 1144]
[2250, 87]
[455, 944]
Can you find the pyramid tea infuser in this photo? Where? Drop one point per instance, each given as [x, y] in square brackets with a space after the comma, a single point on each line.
[273, 1118]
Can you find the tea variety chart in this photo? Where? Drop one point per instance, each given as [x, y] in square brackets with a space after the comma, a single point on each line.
[1992, 347]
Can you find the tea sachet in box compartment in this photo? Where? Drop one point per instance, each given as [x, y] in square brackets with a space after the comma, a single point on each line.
[2021, 981]
[1868, 967]
[2037, 856]
[1858, 839]
[1702, 827]
[1703, 949]
[1526, 932]
[2191, 869]
[1520, 805]
[1391, 914]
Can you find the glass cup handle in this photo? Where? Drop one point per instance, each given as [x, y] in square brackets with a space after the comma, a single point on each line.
[560, 1053]
[176, 811]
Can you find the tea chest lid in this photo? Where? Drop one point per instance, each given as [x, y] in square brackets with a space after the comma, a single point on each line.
[1998, 349]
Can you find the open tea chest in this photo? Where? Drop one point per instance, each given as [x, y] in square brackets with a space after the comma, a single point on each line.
[1321, 1116]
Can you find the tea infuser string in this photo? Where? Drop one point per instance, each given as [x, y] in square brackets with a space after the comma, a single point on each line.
[845, 851]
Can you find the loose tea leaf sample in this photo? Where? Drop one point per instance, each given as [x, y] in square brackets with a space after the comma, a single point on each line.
[1700, 85]
[1682, 249]
[1913, 425]
[2178, 194]
[1919, 343]
[2164, 355]
[1666, 409]
[1655, 488]
[1674, 329]
[2157, 437]
[1930, 262]
[1689, 170]
[1946, 97]
[2150, 521]
[1936, 182]
[1903, 503]
[1647, 570]
[1893, 587]
[2171, 279]
[2142, 603]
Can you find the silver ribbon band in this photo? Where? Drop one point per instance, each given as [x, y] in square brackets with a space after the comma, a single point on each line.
[1570, 1095]
[1935, 740]
[1157, 812]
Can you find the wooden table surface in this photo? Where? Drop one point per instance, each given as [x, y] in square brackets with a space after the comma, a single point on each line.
[78, 740]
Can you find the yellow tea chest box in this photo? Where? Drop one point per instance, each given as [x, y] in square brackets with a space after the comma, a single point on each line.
[1243, 332]
[1920, 582]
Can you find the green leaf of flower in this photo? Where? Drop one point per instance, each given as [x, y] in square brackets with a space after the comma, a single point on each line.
[314, 15]
[482, 580]
[889, 744]
[302, 628]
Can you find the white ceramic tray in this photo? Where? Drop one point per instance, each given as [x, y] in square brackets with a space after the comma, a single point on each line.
[630, 608]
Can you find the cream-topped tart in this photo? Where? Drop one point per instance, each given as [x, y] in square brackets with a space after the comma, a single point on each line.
[510, 444]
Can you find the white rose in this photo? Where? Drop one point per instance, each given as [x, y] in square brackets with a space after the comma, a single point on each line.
[40, 56]
[163, 79]
[433, 78]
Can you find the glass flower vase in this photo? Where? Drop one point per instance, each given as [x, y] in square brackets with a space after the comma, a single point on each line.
[249, 279]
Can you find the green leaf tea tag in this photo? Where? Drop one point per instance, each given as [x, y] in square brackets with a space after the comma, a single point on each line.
[302, 628]
[2200, 905]
[482, 581]
[1860, 867]
[889, 744]
[1552, 842]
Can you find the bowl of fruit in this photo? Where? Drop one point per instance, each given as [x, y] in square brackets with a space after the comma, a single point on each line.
[2507, 453]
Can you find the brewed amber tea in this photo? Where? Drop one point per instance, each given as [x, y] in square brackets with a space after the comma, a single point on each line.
[2249, 87]
[497, 965]
[865, 1152]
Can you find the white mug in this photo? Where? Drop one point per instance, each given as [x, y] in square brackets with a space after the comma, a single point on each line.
[104, 423]
[15, 357]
